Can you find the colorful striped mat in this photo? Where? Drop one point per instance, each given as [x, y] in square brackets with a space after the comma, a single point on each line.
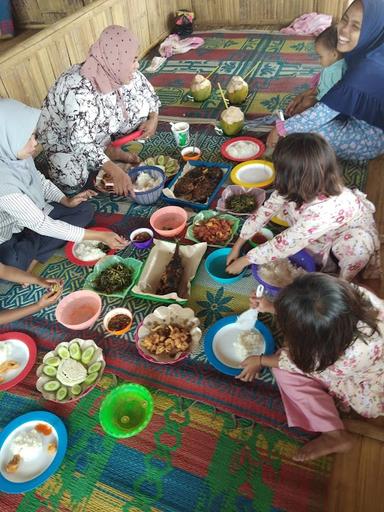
[188, 459]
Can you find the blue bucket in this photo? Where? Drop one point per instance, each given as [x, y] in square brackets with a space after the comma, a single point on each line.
[152, 195]
[215, 265]
[301, 259]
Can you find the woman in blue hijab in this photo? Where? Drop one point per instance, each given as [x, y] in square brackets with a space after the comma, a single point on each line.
[351, 115]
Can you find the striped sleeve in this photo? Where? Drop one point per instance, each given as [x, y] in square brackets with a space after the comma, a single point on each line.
[51, 192]
[28, 215]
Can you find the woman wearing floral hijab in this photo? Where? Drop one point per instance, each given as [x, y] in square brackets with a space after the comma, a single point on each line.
[351, 115]
[90, 103]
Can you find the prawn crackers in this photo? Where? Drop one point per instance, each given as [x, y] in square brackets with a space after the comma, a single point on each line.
[167, 340]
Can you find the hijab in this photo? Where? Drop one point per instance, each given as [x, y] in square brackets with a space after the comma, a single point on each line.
[108, 58]
[360, 92]
[17, 123]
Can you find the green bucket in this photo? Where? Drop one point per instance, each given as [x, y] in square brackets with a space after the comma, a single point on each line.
[126, 410]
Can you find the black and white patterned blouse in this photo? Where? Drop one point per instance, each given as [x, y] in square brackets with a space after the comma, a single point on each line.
[76, 123]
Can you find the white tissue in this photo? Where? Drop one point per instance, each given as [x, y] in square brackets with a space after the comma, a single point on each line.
[246, 321]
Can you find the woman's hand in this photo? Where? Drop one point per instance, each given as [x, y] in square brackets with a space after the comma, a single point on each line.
[262, 304]
[113, 240]
[49, 298]
[251, 369]
[116, 154]
[149, 127]
[238, 265]
[233, 255]
[273, 138]
[72, 202]
[49, 283]
[122, 184]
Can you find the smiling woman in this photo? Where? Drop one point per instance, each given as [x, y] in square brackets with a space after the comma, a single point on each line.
[351, 115]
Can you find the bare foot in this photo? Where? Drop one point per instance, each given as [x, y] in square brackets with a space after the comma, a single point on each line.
[336, 441]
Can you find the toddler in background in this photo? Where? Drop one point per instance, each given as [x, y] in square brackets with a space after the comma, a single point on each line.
[334, 67]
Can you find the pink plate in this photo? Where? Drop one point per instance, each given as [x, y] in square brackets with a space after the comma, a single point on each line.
[152, 359]
[258, 151]
[68, 249]
[30, 346]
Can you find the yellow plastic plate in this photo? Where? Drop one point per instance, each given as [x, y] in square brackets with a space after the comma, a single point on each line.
[253, 173]
[280, 222]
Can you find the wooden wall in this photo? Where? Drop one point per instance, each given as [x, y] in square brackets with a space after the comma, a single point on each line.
[40, 13]
[30, 68]
[260, 12]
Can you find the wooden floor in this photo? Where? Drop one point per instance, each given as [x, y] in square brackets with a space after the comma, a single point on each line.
[357, 480]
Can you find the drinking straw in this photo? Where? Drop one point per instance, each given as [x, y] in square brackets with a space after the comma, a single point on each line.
[222, 95]
[250, 71]
[214, 71]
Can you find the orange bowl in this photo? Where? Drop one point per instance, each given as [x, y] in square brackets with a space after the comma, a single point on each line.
[79, 310]
[114, 312]
[169, 221]
[191, 153]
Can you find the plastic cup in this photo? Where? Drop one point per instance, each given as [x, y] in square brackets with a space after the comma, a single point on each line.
[126, 410]
[181, 133]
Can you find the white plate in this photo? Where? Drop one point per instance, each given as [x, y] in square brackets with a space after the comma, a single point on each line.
[18, 352]
[32, 468]
[254, 173]
[223, 346]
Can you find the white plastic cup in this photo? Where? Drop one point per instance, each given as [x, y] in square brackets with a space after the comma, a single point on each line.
[181, 133]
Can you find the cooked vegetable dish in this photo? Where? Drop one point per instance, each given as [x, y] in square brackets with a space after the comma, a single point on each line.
[241, 203]
[113, 279]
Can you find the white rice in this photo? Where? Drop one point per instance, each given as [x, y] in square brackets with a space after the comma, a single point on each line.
[27, 445]
[88, 251]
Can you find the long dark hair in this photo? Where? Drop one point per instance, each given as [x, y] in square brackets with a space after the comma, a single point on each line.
[319, 316]
[306, 167]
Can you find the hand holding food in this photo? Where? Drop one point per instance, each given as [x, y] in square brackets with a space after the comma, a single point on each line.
[113, 240]
[50, 297]
[261, 304]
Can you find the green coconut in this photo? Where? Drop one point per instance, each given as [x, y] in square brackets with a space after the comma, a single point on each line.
[201, 88]
[231, 121]
[237, 90]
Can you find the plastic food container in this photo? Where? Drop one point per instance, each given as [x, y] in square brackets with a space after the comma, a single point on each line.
[215, 265]
[191, 153]
[79, 310]
[169, 221]
[152, 195]
[126, 410]
[301, 259]
[146, 243]
[114, 312]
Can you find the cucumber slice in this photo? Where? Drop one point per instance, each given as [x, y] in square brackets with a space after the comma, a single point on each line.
[49, 370]
[76, 389]
[161, 160]
[52, 361]
[63, 352]
[61, 393]
[87, 355]
[74, 351]
[95, 367]
[91, 378]
[51, 385]
[150, 161]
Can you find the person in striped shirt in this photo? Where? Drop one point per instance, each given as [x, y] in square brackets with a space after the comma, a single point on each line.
[35, 216]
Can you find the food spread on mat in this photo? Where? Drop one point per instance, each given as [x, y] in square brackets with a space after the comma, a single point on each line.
[145, 181]
[112, 279]
[249, 343]
[90, 250]
[70, 369]
[280, 272]
[215, 230]
[241, 203]
[198, 184]
[167, 340]
[169, 165]
[171, 278]
[119, 322]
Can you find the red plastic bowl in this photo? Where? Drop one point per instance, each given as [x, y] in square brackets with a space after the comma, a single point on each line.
[81, 263]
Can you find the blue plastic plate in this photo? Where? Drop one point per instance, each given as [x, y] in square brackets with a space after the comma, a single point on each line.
[198, 206]
[218, 344]
[31, 473]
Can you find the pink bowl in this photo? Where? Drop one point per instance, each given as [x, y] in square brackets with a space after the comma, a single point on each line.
[172, 217]
[79, 310]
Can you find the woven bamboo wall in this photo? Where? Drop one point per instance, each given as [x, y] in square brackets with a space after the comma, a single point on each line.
[260, 12]
[30, 68]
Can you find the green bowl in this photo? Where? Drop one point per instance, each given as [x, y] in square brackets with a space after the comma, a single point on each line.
[126, 410]
[106, 262]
